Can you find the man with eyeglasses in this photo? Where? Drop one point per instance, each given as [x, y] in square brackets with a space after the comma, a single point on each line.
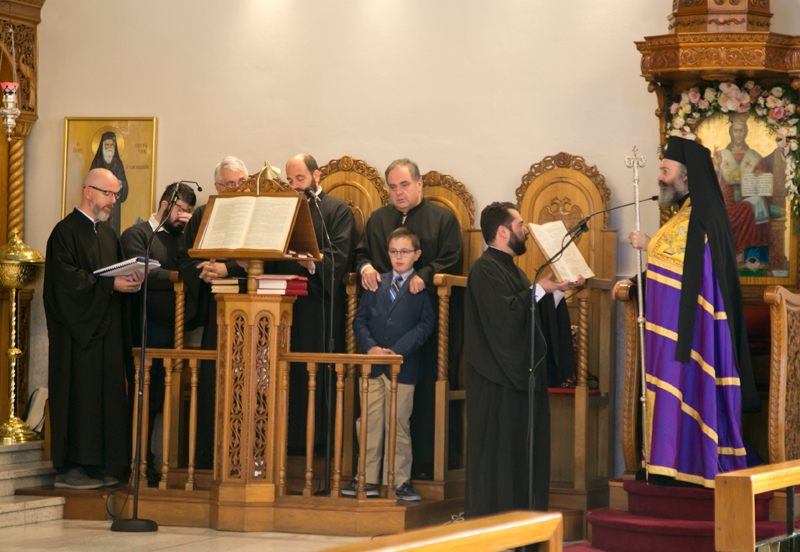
[85, 320]
[160, 290]
[201, 309]
[440, 236]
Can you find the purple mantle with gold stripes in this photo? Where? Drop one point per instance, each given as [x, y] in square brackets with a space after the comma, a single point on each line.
[694, 410]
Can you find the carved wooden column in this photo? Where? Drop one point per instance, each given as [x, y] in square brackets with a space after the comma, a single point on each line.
[252, 330]
[24, 15]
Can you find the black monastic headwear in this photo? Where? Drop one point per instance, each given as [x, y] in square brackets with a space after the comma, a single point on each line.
[712, 222]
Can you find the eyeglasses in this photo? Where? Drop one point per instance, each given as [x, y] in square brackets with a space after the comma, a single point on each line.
[106, 193]
[401, 252]
[187, 210]
[231, 184]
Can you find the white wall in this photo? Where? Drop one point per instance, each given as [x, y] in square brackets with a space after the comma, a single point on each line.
[477, 89]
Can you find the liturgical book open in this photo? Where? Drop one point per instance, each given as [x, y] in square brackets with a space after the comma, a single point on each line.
[550, 238]
[250, 223]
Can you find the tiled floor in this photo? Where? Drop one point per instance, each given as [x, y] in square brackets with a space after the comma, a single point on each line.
[95, 536]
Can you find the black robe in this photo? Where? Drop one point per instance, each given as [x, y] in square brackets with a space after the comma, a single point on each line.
[88, 407]
[497, 347]
[441, 243]
[309, 312]
[201, 311]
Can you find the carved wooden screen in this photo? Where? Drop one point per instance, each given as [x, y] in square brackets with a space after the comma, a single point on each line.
[784, 385]
[358, 184]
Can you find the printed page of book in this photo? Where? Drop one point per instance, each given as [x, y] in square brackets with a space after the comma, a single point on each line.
[549, 238]
[748, 185]
[764, 184]
[227, 226]
[271, 222]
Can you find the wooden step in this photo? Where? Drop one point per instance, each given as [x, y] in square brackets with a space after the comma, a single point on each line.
[89, 504]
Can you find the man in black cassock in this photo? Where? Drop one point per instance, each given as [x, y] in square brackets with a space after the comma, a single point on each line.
[107, 157]
[440, 234]
[201, 308]
[160, 292]
[311, 326]
[498, 358]
[88, 404]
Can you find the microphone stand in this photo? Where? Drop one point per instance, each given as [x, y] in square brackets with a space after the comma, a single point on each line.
[136, 525]
[578, 230]
[326, 491]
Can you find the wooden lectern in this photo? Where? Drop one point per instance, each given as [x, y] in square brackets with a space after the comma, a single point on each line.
[252, 330]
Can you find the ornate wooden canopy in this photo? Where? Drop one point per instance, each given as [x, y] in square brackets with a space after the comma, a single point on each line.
[720, 40]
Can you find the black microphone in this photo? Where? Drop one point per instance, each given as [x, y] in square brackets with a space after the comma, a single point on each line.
[311, 195]
[584, 220]
[199, 189]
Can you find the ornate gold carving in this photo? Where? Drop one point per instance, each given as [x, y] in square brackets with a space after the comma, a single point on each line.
[23, 341]
[25, 51]
[434, 178]
[283, 333]
[792, 400]
[16, 188]
[266, 185]
[237, 396]
[348, 164]
[222, 336]
[444, 336]
[565, 160]
[261, 415]
[722, 55]
[563, 210]
[631, 447]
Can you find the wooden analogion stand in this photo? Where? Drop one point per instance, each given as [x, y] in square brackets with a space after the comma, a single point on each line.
[252, 330]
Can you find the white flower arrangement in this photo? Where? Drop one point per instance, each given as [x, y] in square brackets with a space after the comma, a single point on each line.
[775, 106]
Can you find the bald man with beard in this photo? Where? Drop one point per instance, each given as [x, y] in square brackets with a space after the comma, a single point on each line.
[88, 404]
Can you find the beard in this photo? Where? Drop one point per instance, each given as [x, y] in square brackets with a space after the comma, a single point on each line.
[101, 214]
[668, 196]
[175, 228]
[517, 244]
[108, 156]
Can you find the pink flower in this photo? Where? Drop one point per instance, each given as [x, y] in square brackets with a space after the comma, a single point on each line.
[694, 95]
[674, 109]
[778, 113]
[703, 104]
[745, 107]
[755, 91]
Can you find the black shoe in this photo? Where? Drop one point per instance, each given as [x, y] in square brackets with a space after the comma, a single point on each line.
[153, 477]
[352, 489]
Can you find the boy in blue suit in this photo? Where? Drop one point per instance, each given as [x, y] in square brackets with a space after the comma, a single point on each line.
[390, 321]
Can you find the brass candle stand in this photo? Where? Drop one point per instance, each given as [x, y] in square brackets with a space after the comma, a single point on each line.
[20, 268]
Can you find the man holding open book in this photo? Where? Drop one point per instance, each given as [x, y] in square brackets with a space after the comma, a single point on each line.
[88, 405]
[497, 341]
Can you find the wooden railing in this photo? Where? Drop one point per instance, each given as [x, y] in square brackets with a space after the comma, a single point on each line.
[734, 504]
[444, 284]
[340, 363]
[488, 534]
[173, 362]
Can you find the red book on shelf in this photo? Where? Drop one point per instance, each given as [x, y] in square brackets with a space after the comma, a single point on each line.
[282, 284]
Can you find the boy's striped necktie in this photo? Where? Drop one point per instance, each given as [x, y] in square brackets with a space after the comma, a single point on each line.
[395, 289]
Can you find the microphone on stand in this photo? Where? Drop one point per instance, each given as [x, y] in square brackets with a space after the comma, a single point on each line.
[584, 220]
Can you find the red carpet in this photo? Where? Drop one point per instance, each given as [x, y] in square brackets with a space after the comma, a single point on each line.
[665, 519]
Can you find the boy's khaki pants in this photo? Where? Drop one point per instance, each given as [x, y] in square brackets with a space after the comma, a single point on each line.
[379, 401]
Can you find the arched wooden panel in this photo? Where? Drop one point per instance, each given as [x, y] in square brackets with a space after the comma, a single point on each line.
[356, 183]
[447, 192]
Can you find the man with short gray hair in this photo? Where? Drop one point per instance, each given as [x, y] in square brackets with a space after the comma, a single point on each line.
[201, 309]
[440, 236]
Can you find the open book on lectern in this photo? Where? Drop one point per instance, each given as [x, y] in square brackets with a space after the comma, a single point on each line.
[550, 238]
[269, 226]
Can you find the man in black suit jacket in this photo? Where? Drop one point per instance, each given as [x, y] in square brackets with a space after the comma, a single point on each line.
[393, 320]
